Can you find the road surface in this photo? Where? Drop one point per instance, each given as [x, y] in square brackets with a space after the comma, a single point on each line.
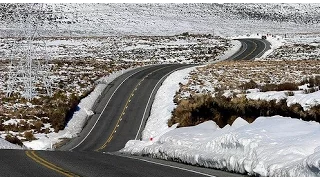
[251, 48]
[120, 115]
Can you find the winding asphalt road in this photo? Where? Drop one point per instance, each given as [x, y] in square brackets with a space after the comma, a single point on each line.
[250, 49]
[120, 115]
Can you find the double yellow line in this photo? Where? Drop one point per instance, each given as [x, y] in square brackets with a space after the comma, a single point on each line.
[43, 162]
[255, 47]
[124, 109]
[32, 154]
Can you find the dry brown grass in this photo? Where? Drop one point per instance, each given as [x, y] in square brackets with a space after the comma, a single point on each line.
[223, 111]
[239, 76]
[79, 63]
[14, 140]
[29, 135]
[77, 80]
[242, 75]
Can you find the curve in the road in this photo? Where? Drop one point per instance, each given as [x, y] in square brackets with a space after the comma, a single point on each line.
[119, 118]
[251, 48]
[120, 115]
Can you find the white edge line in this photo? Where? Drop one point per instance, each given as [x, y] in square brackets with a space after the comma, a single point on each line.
[103, 110]
[263, 51]
[166, 165]
[241, 51]
[246, 47]
[145, 110]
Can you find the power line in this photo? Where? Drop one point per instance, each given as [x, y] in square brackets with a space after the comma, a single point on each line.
[29, 59]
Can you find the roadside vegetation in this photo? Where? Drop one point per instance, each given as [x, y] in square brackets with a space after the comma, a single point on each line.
[78, 62]
[219, 92]
[222, 110]
[20, 119]
[76, 65]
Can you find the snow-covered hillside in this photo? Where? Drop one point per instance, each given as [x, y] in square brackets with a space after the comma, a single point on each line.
[171, 19]
[160, 33]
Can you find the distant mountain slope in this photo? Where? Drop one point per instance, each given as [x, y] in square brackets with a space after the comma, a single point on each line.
[168, 19]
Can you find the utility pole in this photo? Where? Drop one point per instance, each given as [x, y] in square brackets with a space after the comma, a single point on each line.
[29, 59]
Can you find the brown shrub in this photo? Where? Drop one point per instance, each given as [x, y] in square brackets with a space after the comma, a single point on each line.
[269, 87]
[223, 111]
[249, 85]
[288, 86]
[11, 127]
[181, 113]
[57, 118]
[47, 130]
[310, 90]
[289, 93]
[314, 113]
[297, 111]
[218, 118]
[280, 87]
[38, 125]
[312, 81]
[2, 127]
[13, 140]
[29, 136]
[317, 81]
[176, 98]
[23, 126]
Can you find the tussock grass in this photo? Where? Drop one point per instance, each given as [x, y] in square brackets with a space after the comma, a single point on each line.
[223, 111]
[243, 75]
[77, 79]
[78, 63]
[29, 135]
[202, 98]
[14, 140]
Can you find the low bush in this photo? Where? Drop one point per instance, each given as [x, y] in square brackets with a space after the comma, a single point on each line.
[38, 125]
[249, 85]
[312, 81]
[288, 86]
[29, 136]
[289, 93]
[280, 87]
[223, 111]
[14, 140]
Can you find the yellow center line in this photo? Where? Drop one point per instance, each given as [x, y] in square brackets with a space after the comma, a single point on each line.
[43, 162]
[124, 109]
[255, 47]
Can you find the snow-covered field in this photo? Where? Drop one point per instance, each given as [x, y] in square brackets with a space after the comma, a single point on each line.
[75, 66]
[156, 33]
[270, 146]
[188, 48]
[171, 19]
[228, 78]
